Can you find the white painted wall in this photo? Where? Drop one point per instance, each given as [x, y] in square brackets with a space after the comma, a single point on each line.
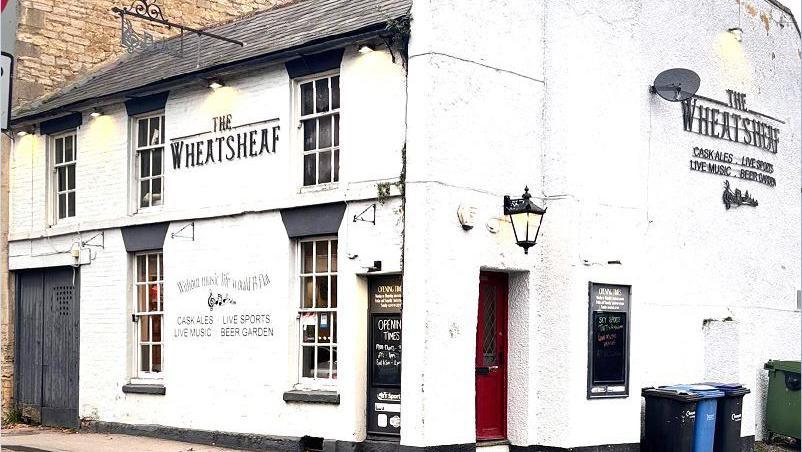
[372, 135]
[228, 384]
[612, 162]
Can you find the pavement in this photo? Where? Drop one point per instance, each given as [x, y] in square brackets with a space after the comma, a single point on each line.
[24, 438]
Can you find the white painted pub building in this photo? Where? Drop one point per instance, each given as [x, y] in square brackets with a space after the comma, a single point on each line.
[223, 245]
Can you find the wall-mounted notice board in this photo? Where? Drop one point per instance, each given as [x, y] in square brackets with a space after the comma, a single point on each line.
[608, 340]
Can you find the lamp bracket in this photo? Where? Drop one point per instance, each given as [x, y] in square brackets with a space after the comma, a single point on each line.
[102, 244]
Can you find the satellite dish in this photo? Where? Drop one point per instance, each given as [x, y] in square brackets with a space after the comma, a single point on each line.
[676, 85]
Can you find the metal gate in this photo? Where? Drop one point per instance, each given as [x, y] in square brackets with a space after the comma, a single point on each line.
[48, 345]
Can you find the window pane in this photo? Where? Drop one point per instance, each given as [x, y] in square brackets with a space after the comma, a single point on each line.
[334, 325]
[310, 129]
[154, 133]
[309, 333]
[59, 150]
[323, 364]
[335, 92]
[61, 178]
[306, 292]
[71, 204]
[62, 205]
[334, 362]
[322, 300]
[153, 267]
[308, 362]
[306, 252]
[333, 291]
[324, 327]
[336, 165]
[156, 328]
[322, 95]
[140, 268]
[71, 177]
[144, 193]
[333, 255]
[336, 130]
[324, 134]
[157, 161]
[322, 256]
[161, 266]
[309, 169]
[161, 119]
[142, 135]
[324, 170]
[153, 297]
[156, 191]
[144, 163]
[144, 358]
[142, 298]
[157, 358]
[161, 297]
[307, 99]
[68, 148]
[144, 328]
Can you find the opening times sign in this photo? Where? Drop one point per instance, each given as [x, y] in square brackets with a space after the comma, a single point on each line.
[608, 340]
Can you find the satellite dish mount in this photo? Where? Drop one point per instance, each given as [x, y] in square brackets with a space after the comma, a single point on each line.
[676, 85]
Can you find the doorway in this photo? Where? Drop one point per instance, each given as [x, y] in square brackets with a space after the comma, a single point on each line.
[491, 357]
[47, 329]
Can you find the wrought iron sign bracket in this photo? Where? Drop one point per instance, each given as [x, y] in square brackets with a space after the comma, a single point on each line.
[102, 236]
[177, 234]
[151, 12]
[360, 216]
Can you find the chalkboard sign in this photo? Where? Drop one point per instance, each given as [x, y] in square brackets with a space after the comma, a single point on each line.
[386, 350]
[608, 340]
[609, 347]
[384, 355]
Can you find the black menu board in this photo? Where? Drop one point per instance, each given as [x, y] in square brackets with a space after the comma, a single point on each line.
[384, 356]
[608, 341]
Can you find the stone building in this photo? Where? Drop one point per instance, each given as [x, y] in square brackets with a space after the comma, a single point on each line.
[227, 251]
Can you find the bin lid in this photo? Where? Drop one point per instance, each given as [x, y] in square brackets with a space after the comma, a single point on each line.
[676, 394]
[787, 366]
[704, 391]
[730, 389]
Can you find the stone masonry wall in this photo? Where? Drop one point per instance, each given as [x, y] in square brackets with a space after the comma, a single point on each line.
[59, 41]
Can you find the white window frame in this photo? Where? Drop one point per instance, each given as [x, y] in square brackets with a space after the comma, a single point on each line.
[299, 138]
[54, 167]
[137, 152]
[137, 317]
[331, 380]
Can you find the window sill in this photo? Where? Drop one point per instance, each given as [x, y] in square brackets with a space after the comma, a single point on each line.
[329, 397]
[155, 389]
[326, 186]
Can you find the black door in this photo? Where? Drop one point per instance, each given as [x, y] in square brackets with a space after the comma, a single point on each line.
[48, 346]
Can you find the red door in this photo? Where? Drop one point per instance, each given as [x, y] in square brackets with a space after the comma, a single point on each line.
[491, 357]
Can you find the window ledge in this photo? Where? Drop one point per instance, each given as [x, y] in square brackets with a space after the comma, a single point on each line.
[331, 397]
[155, 389]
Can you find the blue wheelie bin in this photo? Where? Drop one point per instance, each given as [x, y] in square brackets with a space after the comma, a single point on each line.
[705, 429]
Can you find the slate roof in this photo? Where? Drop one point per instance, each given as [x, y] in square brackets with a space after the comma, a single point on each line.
[293, 26]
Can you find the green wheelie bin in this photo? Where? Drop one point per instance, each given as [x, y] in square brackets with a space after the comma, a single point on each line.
[782, 403]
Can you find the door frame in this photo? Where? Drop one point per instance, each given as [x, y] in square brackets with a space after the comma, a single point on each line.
[501, 280]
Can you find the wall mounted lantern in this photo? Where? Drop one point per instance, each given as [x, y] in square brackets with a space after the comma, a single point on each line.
[96, 113]
[737, 33]
[215, 83]
[526, 218]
